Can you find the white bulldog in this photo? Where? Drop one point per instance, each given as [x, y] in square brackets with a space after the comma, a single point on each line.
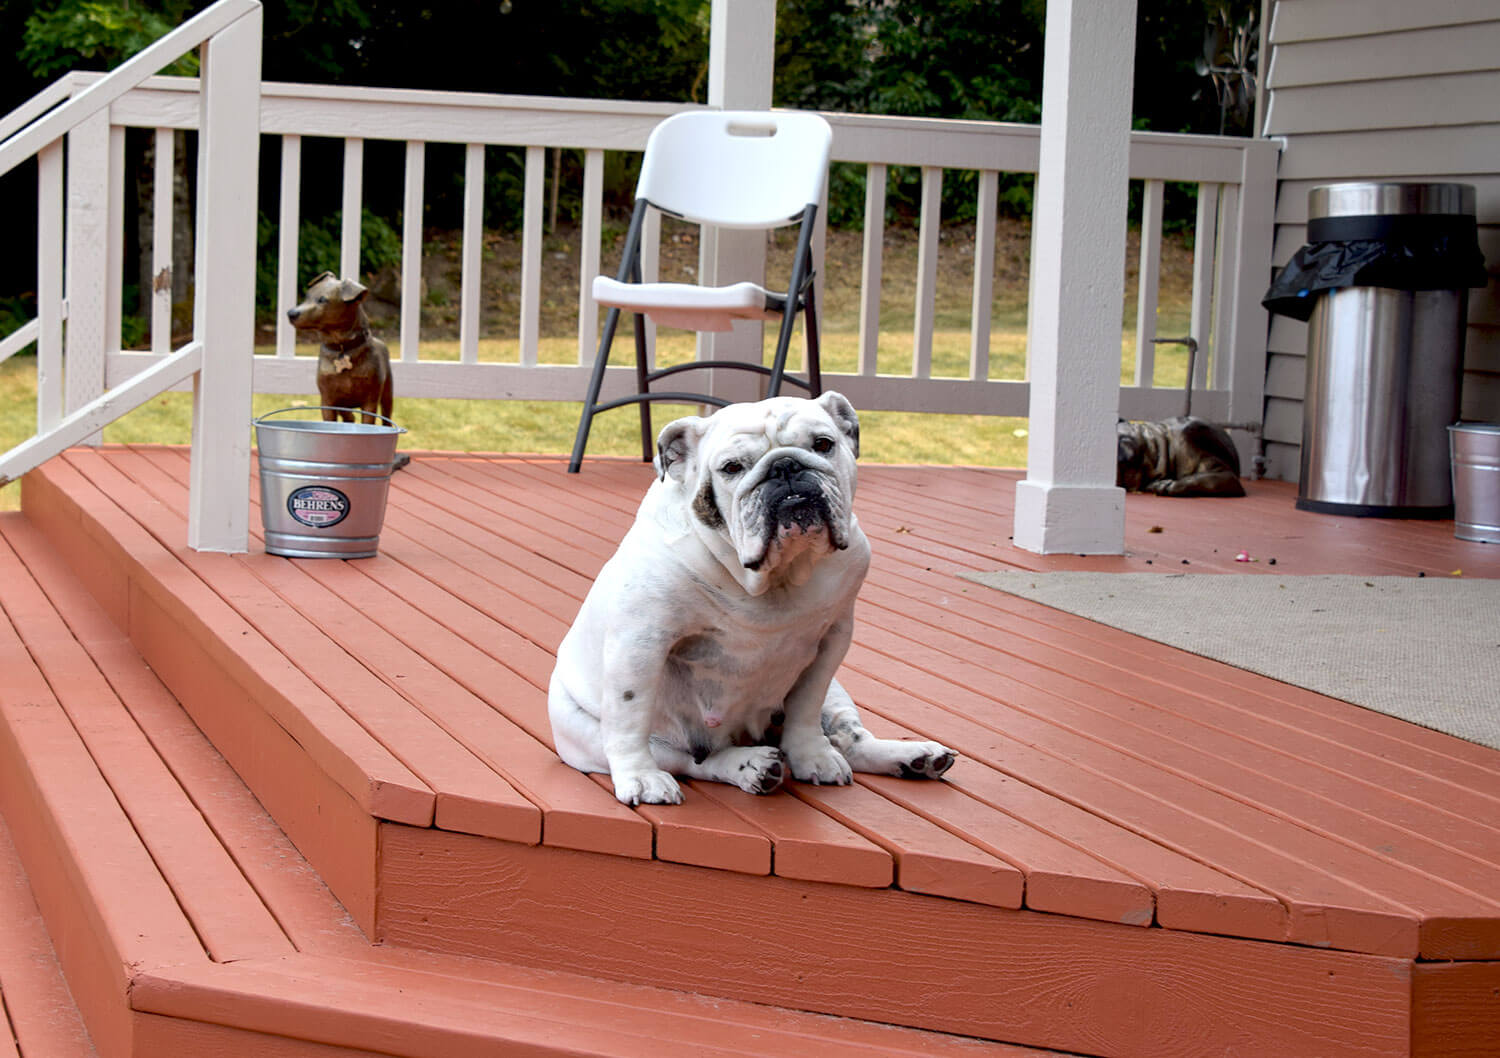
[708, 643]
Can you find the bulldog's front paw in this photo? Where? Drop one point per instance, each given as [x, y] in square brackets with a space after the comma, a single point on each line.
[821, 765]
[761, 771]
[647, 788]
[927, 760]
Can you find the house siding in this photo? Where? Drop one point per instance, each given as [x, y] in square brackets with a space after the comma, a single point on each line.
[1382, 90]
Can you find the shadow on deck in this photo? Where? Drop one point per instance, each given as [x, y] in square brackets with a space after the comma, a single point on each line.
[307, 807]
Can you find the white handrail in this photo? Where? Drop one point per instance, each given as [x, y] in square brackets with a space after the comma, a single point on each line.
[19, 339]
[104, 409]
[121, 79]
[58, 91]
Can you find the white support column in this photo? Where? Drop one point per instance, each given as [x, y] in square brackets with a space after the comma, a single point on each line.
[228, 155]
[741, 59]
[1069, 501]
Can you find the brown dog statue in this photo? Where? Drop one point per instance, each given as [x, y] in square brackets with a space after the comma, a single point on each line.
[354, 366]
[1184, 456]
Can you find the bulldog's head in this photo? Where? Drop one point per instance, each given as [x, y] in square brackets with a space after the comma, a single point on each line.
[775, 479]
[1132, 454]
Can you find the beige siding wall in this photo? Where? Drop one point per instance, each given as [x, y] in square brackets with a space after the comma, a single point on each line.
[1382, 90]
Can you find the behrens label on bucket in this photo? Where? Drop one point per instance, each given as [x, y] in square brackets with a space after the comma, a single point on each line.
[318, 506]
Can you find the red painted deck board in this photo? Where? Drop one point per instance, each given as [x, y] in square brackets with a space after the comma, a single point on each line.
[236, 923]
[1106, 810]
[1233, 753]
[172, 577]
[38, 1018]
[153, 990]
[1170, 761]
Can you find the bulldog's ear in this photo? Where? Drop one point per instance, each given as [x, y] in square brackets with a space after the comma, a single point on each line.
[676, 445]
[842, 412]
[351, 291]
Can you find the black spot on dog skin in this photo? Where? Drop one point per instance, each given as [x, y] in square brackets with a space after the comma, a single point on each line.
[701, 750]
[629, 696]
[707, 508]
[702, 648]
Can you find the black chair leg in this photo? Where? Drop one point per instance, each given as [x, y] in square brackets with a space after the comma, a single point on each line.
[801, 270]
[814, 369]
[596, 383]
[630, 264]
[643, 385]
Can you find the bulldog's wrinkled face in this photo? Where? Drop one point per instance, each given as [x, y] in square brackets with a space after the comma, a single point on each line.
[775, 478]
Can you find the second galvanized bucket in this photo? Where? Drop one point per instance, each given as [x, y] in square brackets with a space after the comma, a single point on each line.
[1475, 449]
[323, 484]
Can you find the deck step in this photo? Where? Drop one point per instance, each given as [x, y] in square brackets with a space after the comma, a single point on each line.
[38, 1017]
[188, 923]
[1271, 868]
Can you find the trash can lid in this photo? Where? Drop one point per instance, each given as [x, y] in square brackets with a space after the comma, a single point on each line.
[1389, 199]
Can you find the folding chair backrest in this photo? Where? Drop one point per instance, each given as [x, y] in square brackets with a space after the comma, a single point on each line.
[736, 169]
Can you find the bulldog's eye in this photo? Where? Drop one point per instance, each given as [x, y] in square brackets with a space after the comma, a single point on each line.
[822, 445]
[731, 468]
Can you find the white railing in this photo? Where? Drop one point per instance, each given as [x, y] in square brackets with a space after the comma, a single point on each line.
[78, 148]
[1235, 179]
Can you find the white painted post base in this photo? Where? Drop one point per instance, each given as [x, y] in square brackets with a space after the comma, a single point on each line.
[1069, 519]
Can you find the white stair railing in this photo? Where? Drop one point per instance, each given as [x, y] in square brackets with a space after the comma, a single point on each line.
[219, 355]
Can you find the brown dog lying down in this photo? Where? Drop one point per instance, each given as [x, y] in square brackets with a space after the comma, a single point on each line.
[354, 366]
[1185, 456]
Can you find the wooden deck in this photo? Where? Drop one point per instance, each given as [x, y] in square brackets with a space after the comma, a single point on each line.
[226, 776]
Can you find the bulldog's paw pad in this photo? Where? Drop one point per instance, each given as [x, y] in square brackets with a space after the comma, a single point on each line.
[647, 788]
[761, 774]
[930, 764]
[823, 769]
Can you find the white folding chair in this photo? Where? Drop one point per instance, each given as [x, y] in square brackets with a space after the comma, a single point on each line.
[729, 169]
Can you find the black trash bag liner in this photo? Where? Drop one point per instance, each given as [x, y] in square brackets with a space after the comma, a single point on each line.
[1402, 251]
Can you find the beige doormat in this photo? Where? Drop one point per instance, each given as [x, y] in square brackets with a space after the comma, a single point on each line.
[1425, 649]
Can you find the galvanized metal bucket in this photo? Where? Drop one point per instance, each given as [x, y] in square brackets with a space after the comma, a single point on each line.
[1475, 448]
[323, 484]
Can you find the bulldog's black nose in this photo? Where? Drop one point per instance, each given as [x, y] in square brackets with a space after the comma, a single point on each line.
[786, 468]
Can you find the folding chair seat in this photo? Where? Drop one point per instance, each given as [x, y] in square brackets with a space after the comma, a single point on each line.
[741, 170]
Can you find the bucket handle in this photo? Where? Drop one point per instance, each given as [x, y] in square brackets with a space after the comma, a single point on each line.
[330, 407]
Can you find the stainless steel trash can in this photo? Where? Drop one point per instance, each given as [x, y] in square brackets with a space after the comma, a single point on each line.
[1384, 365]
